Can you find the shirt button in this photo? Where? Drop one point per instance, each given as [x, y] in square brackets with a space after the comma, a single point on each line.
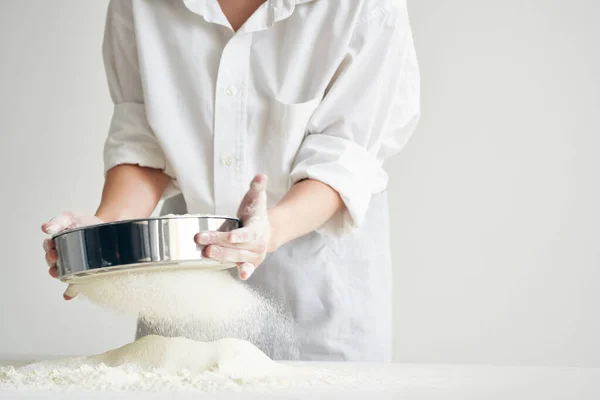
[228, 160]
[231, 91]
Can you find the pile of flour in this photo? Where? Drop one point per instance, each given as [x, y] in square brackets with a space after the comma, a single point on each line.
[205, 328]
[236, 359]
[159, 364]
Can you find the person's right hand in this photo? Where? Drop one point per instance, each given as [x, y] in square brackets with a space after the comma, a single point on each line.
[67, 220]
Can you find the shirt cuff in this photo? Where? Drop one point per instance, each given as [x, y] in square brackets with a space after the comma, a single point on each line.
[131, 141]
[349, 169]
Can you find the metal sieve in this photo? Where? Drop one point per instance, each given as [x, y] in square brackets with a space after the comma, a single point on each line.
[135, 244]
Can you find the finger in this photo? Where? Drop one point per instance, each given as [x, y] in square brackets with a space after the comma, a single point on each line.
[49, 245]
[53, 271]
[51, 262]
[223, 239]
[243, 238]
[232, 255]
[246, 271]
[59, 223]
[71, 292]
[242, 235]
[51, 257]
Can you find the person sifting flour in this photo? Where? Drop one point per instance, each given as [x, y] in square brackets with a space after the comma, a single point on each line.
[315, 94]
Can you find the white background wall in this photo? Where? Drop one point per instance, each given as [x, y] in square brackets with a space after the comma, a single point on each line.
[494, 201]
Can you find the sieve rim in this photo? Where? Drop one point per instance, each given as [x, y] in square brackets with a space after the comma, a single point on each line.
[138, 220]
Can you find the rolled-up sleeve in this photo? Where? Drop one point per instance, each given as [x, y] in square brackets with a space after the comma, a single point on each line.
[368, 113]
[130, 138]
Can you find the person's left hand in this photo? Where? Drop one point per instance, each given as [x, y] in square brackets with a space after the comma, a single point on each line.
[246, 246]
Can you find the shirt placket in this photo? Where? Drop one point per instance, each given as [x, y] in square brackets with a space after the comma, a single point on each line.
[230, 123]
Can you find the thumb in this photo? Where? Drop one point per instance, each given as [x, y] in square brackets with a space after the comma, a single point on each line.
[258, 189]
[255, 200]
[60, 223]
[259, 183]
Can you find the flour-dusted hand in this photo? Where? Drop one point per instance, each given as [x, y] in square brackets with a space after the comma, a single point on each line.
[247, 246]
[67, 220]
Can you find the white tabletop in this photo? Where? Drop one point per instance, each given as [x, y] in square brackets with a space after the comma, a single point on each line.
[415, 382]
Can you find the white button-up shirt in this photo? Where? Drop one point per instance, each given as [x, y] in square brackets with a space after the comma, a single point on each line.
[317, 89]
[305, 89]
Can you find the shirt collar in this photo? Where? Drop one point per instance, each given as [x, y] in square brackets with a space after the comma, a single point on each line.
[200, 4]
[277, 10]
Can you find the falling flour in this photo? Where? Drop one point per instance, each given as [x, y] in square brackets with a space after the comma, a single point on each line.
[176, 295]
[198, 304]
